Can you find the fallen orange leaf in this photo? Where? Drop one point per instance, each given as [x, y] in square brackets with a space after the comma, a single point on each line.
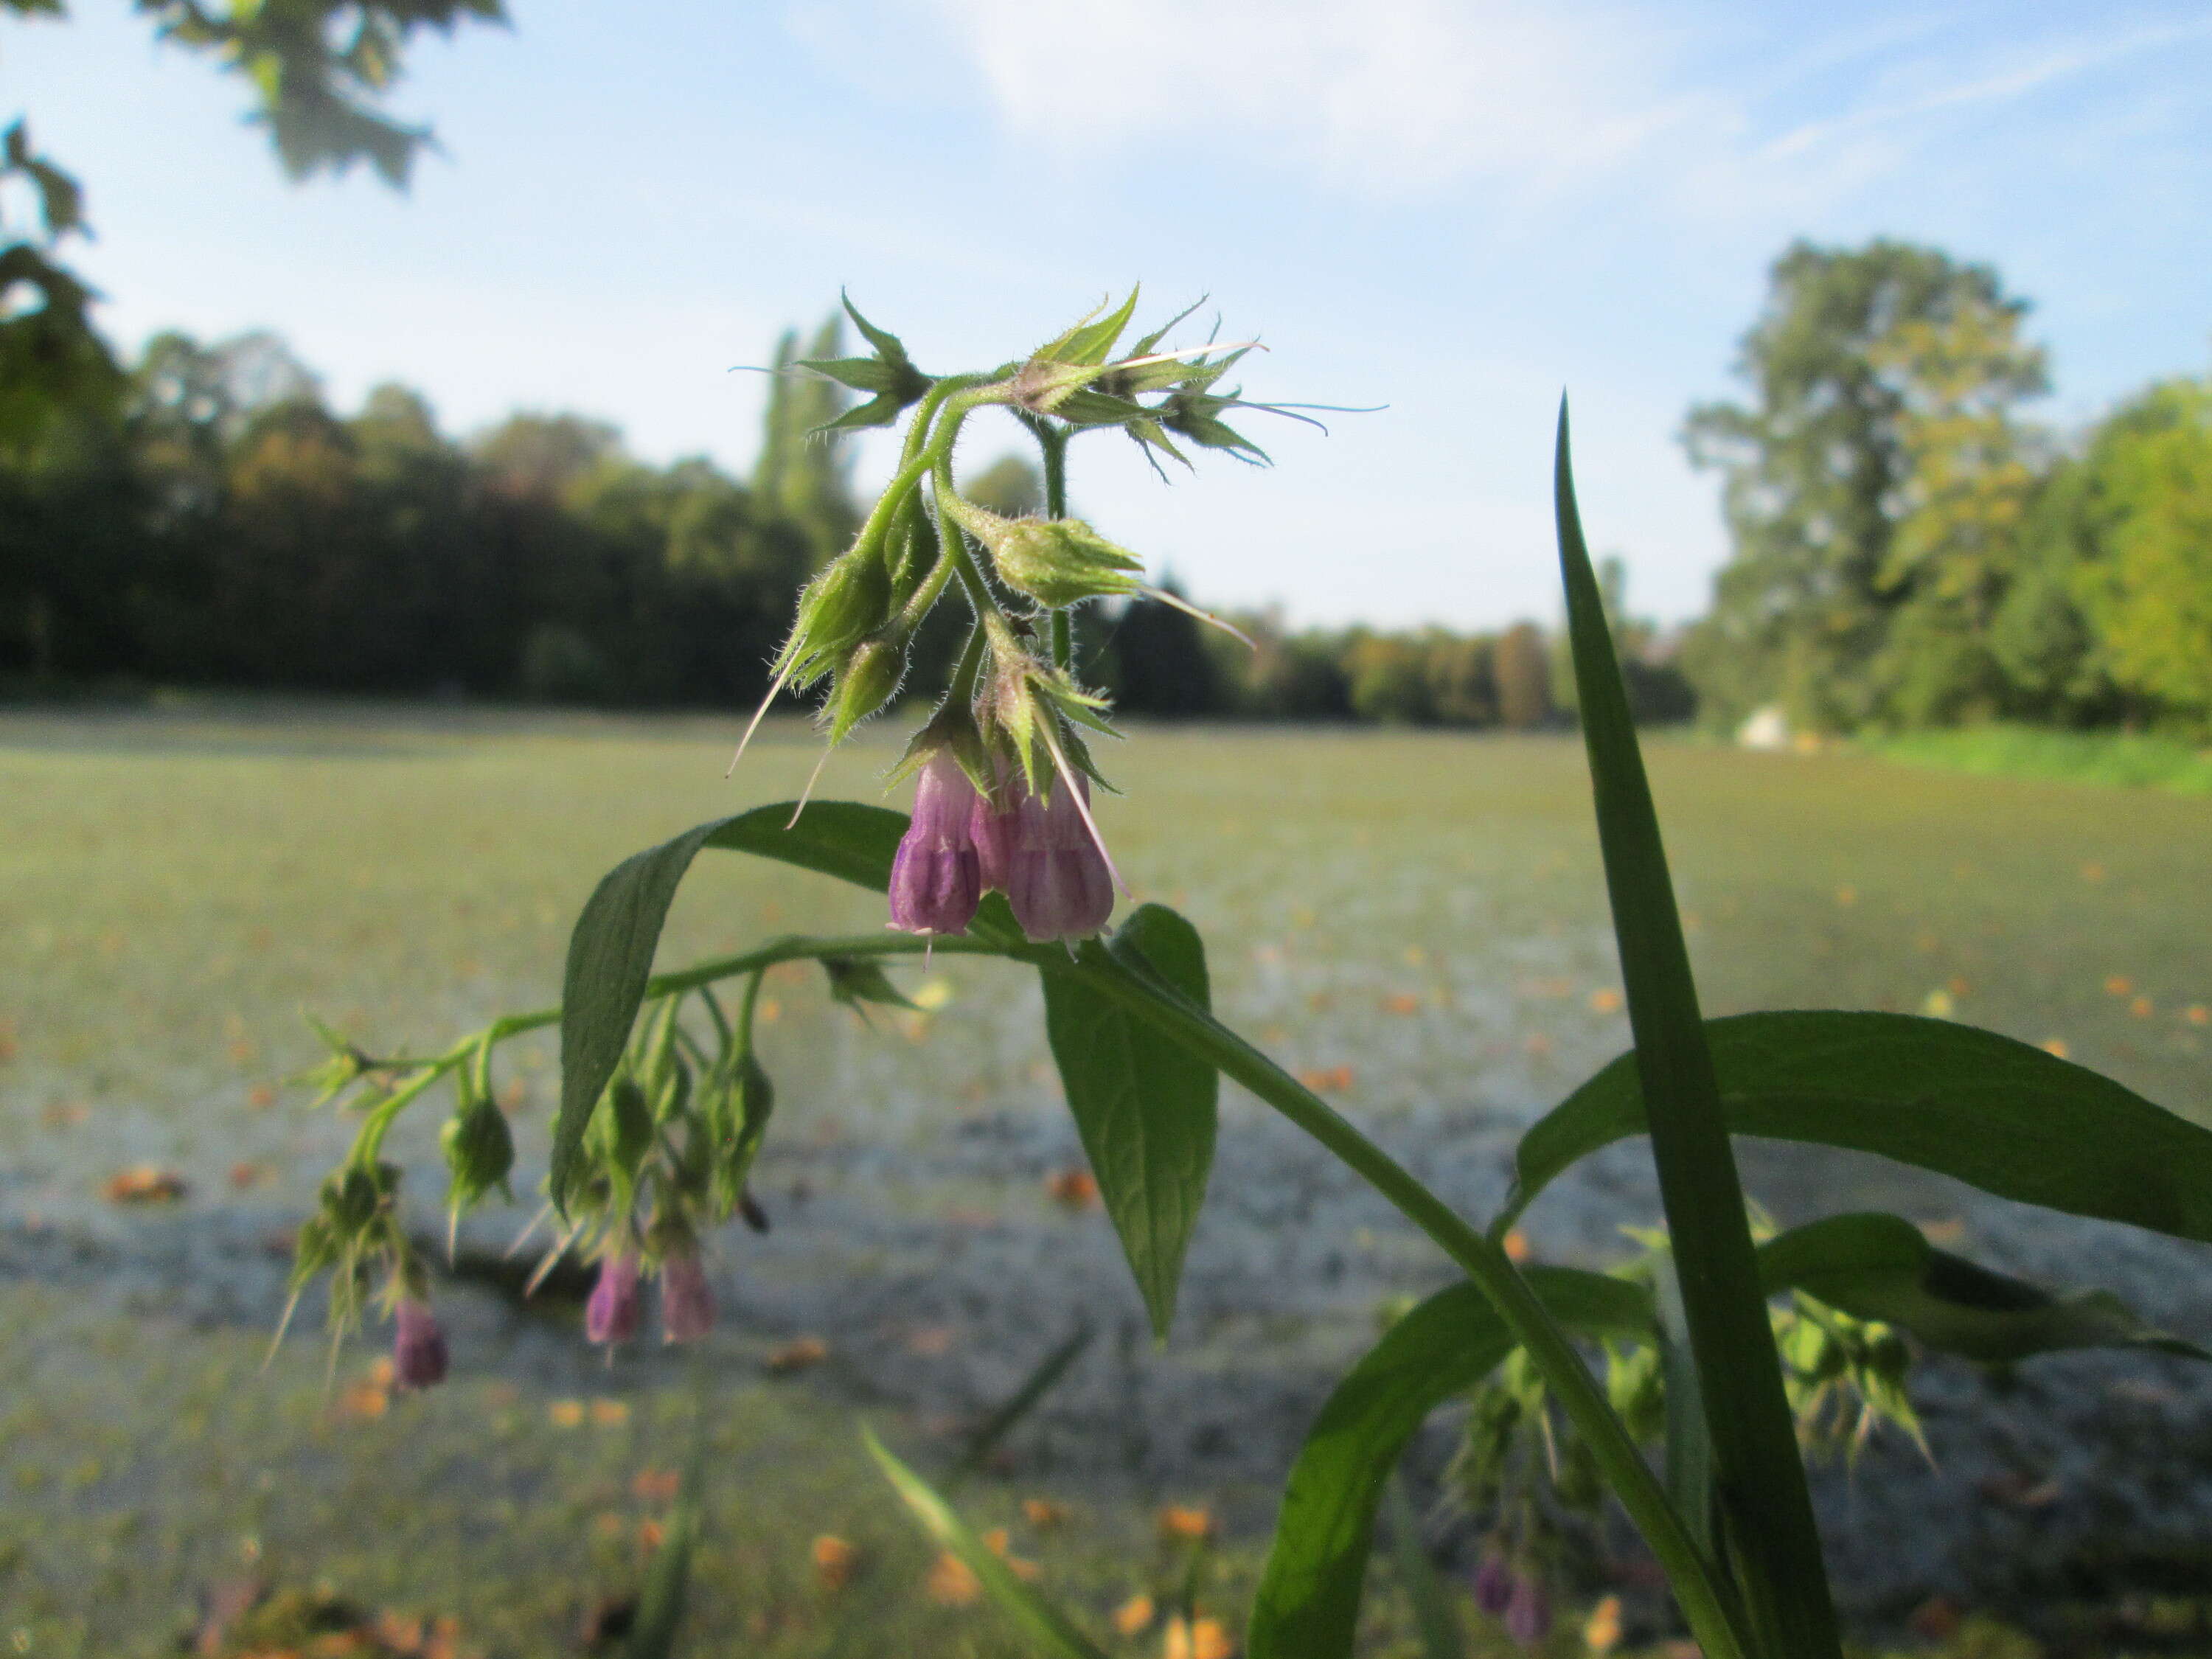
[1134, 1614]
[835, 1561]
[145, 1183]
[1186, 1521]
[1077, 1189]
[951, 1584]
[797, 1355]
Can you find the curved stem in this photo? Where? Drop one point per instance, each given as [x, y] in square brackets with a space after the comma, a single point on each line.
[1052, 441]
[1704, 1600]
[957, 550]
[369, 1141]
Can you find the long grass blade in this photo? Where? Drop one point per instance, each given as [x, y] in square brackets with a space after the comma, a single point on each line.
[1768, 1511]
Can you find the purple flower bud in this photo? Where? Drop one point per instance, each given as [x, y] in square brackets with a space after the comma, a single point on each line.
[936, 878]
[612, 1314]
[1528, 1613]
[1493, 1583]
[419, 1347]
[687, 1305]
[1050, 864]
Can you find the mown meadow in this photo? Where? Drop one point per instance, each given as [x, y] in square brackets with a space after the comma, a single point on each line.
[178, 885]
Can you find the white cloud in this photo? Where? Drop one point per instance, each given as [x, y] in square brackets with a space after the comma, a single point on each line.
[1714, 116]
[1392, 95]
[2023, 74]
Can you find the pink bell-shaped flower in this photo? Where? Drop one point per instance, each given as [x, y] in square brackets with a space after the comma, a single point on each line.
[936, 878]
[1045, 856]
[687, 1303]
[612, 1314]
[418, 1345]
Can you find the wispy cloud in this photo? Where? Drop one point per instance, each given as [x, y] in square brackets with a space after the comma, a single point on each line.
[2044, 66]
[1389, 99]
[1388, 96]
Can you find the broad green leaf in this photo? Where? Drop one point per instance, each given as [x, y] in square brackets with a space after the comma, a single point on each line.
[1880, 1266]
[1983, 1109]
[1045, 1624]
[1144, 1103]
[1308, 1603]
[610, 951]
[1754, 1437]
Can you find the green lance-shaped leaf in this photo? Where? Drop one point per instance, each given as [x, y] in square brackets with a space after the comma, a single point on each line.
[610, 951]
[1045, 1624]
[1762, 1479]
[1983, 1109]
[1880, 1266]
[1144, 1105]
[1308, 1603]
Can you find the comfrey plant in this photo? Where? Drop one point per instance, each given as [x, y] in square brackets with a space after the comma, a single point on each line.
[1725, 1352]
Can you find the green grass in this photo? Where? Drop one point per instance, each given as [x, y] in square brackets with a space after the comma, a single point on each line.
[2127, 760]
[1424, 912]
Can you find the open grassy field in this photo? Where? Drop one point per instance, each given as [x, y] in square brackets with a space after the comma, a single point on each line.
[1417, 919]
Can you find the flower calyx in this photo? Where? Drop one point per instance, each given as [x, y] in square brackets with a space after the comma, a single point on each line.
[1054, 561]
[889, 375]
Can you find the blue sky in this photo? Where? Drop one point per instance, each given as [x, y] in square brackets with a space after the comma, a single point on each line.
[1454, 210]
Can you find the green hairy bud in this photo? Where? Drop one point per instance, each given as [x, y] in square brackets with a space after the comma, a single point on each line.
[479, 1150]
[869, 679]
[841, 607]
[623, 1128]
[1060, 561]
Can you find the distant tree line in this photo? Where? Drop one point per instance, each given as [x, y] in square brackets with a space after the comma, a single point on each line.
[1160, 662]
[213, 522]
[1910, 551]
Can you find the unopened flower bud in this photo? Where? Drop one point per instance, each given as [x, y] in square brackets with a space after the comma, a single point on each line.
[1528, 1613]
[418, 1345]
[936, 878]
[1060, 561]
[1493, 1583]
[841, 607]
[479, 1150]
[612, 1314]
[687, 1303]
[869, 678]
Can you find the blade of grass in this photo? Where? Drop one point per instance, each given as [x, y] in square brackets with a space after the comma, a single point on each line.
[1768, 1511]
[1025, 1399]
[1043, 1623]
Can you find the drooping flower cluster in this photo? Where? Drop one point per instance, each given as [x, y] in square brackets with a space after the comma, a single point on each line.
[1041, 853]
[617, 1306]
[1516, 1596]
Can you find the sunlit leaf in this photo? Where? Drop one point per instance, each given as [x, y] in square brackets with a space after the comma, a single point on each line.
[610, 951]
[1144, 1105]
[2003, 1115]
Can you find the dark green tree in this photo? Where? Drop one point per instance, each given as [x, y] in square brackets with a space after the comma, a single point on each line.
[1161, 665]
[1872, 486]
